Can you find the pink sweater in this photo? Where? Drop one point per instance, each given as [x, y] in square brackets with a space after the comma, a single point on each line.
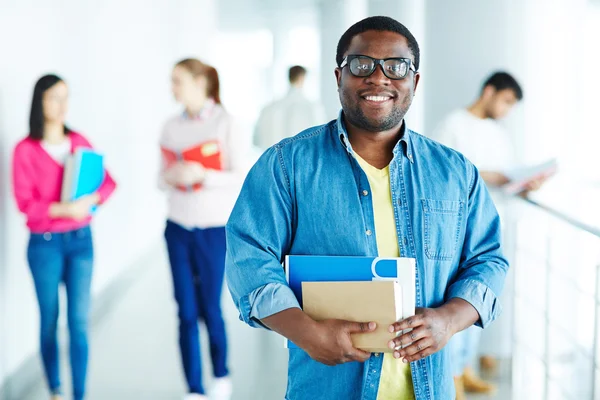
[37, 182]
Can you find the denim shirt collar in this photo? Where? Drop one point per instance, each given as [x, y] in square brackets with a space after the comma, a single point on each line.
[404, 144]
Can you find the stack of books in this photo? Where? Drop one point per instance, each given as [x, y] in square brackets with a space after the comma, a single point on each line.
[360, 289]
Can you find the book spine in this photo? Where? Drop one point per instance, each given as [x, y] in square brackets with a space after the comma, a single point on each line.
[76, 172]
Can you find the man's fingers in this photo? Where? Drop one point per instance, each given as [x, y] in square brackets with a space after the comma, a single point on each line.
[408, 338]
[358, 327]
[416, 347]
[416, 351]
[359, 355]
[408, 323]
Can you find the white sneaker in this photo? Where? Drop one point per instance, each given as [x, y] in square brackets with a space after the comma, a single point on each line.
[195, 396]
[221, 389]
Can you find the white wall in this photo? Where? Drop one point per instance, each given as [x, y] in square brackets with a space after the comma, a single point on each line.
[544, 44]
[560, 51]
[466, 41]
[116, 57]
[336, 16]
[269, 39]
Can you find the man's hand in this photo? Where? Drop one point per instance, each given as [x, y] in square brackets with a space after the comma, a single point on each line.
[431, 329]
[332, 343]
[535, 184]
[327, 342]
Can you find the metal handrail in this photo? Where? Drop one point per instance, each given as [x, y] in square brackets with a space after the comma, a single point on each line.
[570, 220]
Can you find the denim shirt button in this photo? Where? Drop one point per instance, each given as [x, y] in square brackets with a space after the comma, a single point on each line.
[368, 232]
[47, 236]
[365, 192]
[376, 354]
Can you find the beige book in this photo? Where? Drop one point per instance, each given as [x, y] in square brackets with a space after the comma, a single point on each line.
[377, 301]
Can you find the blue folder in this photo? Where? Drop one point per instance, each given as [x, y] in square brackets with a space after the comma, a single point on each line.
[84, 174]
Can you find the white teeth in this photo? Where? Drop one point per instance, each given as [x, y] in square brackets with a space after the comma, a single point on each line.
[377, 98]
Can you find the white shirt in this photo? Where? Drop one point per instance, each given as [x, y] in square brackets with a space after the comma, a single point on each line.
[286, 117]
[59, 152]
[483, 141]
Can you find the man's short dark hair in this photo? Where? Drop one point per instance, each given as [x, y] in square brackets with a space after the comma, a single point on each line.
[377, 24]
[296, 72]
[503, 80]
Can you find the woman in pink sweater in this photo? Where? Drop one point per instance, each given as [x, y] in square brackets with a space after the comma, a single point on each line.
[60, 246]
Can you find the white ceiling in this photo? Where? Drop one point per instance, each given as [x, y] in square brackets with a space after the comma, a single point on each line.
[252, 14]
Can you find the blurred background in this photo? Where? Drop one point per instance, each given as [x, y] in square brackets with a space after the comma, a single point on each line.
[117, 56]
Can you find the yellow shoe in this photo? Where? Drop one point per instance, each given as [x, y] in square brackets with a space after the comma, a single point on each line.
[474, 384]
[488, 365]
[460, 388]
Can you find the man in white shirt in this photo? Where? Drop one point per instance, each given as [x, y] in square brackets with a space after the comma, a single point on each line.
[475, 132]
[288, 116]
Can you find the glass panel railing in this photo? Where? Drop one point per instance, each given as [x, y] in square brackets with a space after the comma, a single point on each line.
[554, 301]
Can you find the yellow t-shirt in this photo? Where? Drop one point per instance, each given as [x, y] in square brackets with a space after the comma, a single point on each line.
[396, 379]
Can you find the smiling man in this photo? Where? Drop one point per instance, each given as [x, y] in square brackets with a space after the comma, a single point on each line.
[366, 185]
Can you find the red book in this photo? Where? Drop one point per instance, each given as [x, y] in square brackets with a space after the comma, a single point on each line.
[207, 154]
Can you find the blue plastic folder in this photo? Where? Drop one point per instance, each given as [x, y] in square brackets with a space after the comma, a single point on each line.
[300, 269]
[83, 175]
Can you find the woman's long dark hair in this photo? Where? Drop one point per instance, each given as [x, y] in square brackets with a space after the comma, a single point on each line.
[36, 116]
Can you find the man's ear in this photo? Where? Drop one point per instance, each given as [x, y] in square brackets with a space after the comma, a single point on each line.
[338, 76]
[416, 81]
[488, 92]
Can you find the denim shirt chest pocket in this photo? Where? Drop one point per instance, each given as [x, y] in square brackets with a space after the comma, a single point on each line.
[442, 223]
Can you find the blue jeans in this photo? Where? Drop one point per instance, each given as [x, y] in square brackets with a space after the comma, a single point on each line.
[54, 258]
[463, 349]
[197, 260]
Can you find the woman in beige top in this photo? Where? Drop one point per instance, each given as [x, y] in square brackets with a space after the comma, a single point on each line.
[202, 171]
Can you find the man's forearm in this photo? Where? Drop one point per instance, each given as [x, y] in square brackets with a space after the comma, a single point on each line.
[292, 323]
[461, 314]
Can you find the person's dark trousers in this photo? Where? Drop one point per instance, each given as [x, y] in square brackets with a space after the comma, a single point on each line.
[197, 260]
[54, 258]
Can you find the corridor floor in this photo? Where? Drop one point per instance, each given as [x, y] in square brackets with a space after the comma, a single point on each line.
[134, 351]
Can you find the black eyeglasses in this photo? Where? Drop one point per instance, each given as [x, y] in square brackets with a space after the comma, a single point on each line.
[363, 66]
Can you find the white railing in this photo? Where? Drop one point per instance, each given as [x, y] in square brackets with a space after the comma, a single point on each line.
[553, 301]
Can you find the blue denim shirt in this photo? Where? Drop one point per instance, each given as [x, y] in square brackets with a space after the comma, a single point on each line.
[308, 195]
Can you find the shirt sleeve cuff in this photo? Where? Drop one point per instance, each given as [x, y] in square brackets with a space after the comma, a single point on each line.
[479, 296]
[266, 301]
